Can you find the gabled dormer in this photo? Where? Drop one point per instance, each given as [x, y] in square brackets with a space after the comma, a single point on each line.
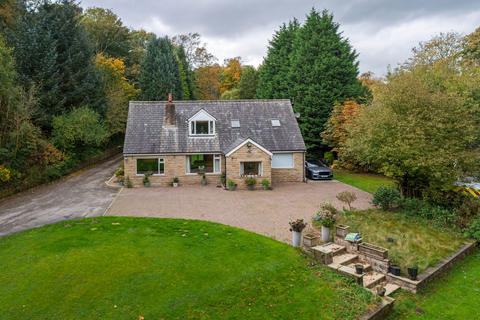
[201, 124]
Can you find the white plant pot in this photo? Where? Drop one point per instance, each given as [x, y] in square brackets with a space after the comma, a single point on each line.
[296, 238]
[175, 184]
[325, 234]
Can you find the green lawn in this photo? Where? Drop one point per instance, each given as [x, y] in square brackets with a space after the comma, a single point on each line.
[368, 182]
[416, 242]
[123, 268]
[454, 296]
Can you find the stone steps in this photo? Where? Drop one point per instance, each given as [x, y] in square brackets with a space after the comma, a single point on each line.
[372, 278]
[336, 257]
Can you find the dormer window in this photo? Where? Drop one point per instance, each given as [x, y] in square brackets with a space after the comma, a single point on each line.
[202, 127]
[201, 124]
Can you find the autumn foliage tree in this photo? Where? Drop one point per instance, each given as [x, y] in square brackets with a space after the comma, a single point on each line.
[118, 92]
[231, 73]
[336, 134]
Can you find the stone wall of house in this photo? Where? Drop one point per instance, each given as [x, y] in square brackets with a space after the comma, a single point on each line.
[246, 153]
[175, 166]
[290, 175]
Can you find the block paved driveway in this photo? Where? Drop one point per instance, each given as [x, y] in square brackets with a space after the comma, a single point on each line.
[82, 194]
[263, 212]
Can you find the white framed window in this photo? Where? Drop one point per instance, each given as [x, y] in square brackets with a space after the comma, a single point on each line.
[202, 127]
[207, 163]
[251, 168]
[282, 161]
[201, 124]
[275, 123]
[153, 166]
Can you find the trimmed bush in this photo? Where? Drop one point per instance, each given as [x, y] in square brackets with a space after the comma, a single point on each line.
[473, 231]
[386, 198]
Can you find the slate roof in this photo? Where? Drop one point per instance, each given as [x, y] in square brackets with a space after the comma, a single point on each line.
[146, 133]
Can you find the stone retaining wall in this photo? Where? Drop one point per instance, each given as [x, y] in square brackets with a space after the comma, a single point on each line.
[432, 272]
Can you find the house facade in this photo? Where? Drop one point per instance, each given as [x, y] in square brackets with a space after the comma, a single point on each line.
[241, 138]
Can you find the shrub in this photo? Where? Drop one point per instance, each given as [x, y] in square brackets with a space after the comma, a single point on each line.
[473, 231]
[266, 184]
[175, 180]
[250, 181]
[231, 185]
[146, 180]
[328, 157]
[223, 179]
[467, 211]
[297, 225]
[5, 174]
[386, 198]
[327, 215]
[119, 172]
[411, 206]
[348, 198]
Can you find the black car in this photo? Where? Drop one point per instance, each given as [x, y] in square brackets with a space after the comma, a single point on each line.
[317, 170]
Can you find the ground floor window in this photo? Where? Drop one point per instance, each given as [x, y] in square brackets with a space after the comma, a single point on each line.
[208, 163]
[150, 166]
[251, 168]
[282, 161]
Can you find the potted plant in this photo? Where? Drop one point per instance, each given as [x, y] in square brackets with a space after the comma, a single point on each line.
[413, 272]
[231, 185]
[296, 227]
[146, 180]
[175, 182]
[381, 291]
[394, 269]
[250, 182]
[266, 184]
[327, 216]
[359, 268]
[203, 181]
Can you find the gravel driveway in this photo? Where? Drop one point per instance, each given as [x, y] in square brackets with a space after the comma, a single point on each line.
[263, 212]
[82, 194]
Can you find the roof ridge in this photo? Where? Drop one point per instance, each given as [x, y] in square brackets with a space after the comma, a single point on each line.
[208, 101]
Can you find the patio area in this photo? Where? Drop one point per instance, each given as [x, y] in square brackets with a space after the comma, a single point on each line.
[264, 212]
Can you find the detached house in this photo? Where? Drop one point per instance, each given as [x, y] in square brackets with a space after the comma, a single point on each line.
[240, 138]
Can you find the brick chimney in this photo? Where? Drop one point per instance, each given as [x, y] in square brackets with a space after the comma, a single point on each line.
[170, 111]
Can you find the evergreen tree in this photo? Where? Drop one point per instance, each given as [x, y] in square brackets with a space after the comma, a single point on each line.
[274, 74]
[323, 72]
[248, 83]
[186, 74]
[159, 74]
[54, 54]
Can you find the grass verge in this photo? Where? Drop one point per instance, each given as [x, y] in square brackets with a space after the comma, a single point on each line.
[124, 268]
[364, 181]
[454, 296]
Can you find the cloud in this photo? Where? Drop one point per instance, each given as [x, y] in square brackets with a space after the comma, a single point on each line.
[383, 32]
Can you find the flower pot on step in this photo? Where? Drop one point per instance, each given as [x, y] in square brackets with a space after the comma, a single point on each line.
[359, 268]
[395, 270]
[175, 184]
[325, 234]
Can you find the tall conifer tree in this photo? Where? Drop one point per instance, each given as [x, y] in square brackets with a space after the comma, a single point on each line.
[159, 74]
[273, 76]
[323, 72]
[54, 54]
[186, 74]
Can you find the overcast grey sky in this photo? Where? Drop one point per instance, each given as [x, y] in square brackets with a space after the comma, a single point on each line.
[382, 31]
